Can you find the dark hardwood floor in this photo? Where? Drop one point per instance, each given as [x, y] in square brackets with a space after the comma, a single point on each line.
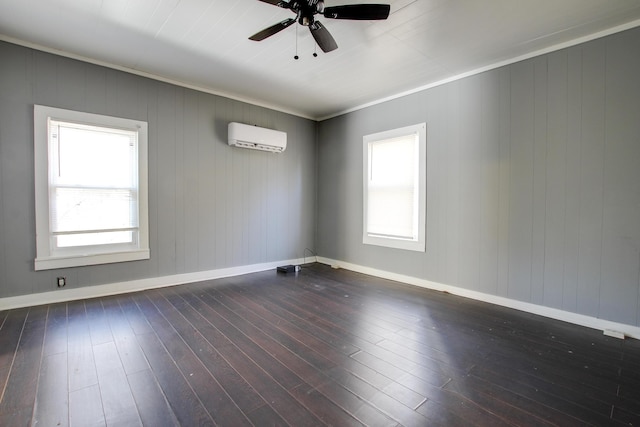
[323, 347]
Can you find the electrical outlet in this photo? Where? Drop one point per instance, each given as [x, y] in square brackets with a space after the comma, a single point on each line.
[61, 281]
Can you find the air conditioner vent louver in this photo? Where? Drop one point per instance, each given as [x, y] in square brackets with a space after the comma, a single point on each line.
[256, 138]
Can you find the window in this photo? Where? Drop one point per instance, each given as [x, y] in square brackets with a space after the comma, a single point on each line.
[395, 181]
[91, 189]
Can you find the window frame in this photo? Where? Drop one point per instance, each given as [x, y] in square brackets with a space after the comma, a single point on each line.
[49, 257]
[419, 242]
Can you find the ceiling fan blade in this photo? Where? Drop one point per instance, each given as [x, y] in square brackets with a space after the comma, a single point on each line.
[268, 32]
[358, 11]
[323, 37]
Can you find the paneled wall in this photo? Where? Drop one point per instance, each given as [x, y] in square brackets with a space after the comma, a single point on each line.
[533, 181]
[211, 206]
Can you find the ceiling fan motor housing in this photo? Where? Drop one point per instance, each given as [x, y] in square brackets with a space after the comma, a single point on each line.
[306, 10]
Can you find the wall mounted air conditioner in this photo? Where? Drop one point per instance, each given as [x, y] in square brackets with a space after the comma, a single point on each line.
[256, 138]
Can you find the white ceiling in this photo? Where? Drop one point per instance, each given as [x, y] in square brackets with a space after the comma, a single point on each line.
[204, 43]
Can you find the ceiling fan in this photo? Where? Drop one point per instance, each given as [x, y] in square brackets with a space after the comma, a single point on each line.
[305, 11]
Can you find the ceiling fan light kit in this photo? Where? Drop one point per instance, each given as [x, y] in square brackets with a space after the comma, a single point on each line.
[305, 15]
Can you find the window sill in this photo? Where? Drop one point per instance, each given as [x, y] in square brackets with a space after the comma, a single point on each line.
[409, 245]
[51, 263]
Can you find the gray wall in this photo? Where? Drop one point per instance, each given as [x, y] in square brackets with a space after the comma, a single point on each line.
[533, 181]
[211, 206]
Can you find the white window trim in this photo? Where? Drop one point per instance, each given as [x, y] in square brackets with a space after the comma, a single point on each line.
[45, 258]
[418, 244]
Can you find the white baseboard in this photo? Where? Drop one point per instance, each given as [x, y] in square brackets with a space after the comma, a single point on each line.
[607, 326]
[63, 295]
[612, 328]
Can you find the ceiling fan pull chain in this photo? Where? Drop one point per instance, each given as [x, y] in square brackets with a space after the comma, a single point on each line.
[296, 55]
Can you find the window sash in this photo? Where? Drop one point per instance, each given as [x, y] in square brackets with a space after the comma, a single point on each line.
[82, 214]
[392, 188]
[86, 209]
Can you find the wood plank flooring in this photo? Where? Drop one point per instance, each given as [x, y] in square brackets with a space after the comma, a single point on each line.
[322, 347]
